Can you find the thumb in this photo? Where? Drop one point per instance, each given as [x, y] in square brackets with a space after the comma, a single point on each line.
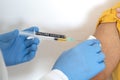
[8, 36]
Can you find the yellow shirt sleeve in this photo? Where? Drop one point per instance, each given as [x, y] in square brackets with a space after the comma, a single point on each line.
[110, 16]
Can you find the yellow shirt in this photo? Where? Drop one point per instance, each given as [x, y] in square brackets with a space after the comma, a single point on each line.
[110, 16]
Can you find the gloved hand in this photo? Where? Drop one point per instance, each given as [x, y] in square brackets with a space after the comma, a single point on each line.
[82, 62]
[17, 48]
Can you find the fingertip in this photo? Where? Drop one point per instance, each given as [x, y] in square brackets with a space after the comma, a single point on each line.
[97, 41]
[92, 42]
[29, 56]
[32, 54]
[97, 47]
[36, 41]
[34, 47]
[101, 58]
[103, 66]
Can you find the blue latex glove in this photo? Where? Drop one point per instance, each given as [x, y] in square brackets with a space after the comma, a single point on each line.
[82, 62]
[17, 48]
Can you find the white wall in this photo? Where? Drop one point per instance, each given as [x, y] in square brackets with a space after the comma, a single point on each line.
[76, 18]
[47, 13]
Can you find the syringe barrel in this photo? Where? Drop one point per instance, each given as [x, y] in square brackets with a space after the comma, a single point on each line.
[50, 35]
[41, 37]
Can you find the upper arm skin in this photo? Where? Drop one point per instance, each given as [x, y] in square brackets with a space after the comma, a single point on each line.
[109, 37]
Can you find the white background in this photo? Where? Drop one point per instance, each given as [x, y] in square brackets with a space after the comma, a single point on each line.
[75, 18]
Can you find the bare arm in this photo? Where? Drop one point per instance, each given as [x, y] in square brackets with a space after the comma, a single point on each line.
[109, 37]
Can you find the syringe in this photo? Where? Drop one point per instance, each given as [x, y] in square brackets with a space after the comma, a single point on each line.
[47, 36]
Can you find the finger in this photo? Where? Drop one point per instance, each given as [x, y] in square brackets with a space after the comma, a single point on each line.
[97, 47]
[101, 58]
[100, 67]
[29, 56]
[33, 47]
[29, 42]
[91, 42]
